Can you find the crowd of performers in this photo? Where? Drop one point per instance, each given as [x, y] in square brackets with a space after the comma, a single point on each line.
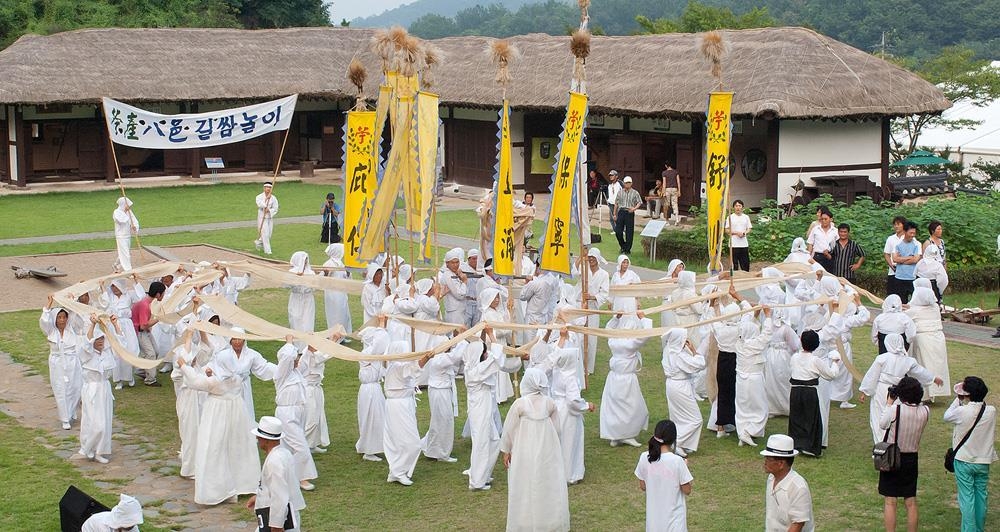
[782, 354]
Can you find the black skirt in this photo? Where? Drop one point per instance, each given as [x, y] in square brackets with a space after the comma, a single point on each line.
[725, 378]
[805, 425]
[902, 483]
[331, 233]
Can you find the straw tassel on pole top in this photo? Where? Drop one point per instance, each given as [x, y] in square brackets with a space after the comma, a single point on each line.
[713, 48]
[357, 75]
[502, 54]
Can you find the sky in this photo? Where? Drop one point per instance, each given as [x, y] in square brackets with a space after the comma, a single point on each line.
[351, 9]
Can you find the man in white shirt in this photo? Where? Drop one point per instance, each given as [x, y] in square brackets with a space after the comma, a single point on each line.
[822, 238]
[787, 497]
[454, 286]
[738, 226]
[614, 187]
[973, 458]
[278, 499]
[267, 209]
[890, 247]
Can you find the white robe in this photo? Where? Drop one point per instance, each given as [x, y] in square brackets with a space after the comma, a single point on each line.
[929, 348]
[401, 437]
[680, 369]
[777, 355]
[65, 371]
[121, 306]
[439, 440]
[885, 371]
[597, 285]
[371, 408]
[335, 301]
[248, 362]
[627, 303]
[842, 387]
[505, 388]
[226, 461]
[537, 496]
[316, 427]
[266, 221]
[751, 397]
[454, 301]
[480, 382]
[571, 407]
[279, 489]
[623, 409]
[97, 401]
[188, 408]
[290, 408]
[301, 309]
[124, 223]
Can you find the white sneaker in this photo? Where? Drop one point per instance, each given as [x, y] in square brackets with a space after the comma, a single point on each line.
[487, 487]
[402, 480]
[305, 485]
[372, 458]
[615, 443]
[632, 442]
[448, 459]
[847, 405]
[318, 450]
[65, 425]
[747, 441]
[256, 244]
[118, 386]
[100, 459]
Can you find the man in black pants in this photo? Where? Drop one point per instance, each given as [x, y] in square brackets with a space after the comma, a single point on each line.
[627, 202]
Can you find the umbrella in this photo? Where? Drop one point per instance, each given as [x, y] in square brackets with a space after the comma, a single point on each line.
[920, 158]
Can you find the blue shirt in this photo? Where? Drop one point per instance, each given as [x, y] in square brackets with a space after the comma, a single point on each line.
[907, 272]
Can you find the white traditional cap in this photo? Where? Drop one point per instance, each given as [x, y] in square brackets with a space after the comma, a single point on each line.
[780, 445]
[453, 254]
[628, 179]
[269, 428]
[127, 513]
[596, 253]
[472, 253]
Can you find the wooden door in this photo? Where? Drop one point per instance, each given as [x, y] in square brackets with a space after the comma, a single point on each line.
[626, 157]
[90, 148]
[333, 140]
[690, 174]
[470, 151]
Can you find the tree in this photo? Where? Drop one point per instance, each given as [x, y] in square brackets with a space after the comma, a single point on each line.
[698, 17]
[961, 77]
[256, 14]
[433, 26]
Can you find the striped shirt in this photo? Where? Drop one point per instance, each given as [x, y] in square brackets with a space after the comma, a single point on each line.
[912, 420]
[844, 256]
[628, 198]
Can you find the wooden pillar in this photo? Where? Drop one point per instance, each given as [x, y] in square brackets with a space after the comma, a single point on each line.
[771, 173]
[886, 132]
[16, 146]
[110, 173]
[195, 153]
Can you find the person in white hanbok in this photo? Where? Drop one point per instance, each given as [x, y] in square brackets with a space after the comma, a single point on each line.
[571, 407]
[929, 347]
[481, 359]
[536, 295]
[65, 371]
[799, 252]
[117, 300]
[335, 301]
[301, 304]
[839, 328]
[931, 267]
[267, 209]
[751, 397]
[622, 276]
[680, 364]
[373, 292]
[126, 225]
[598, 285]
[97, 402]
[290, 408]
[188, 401]
[537, 495]
[492, 311]
[126, 516]
[474, 283]
[885, 372]
[664, 476]
[226, 460]
[371, 400]
[892, 320]
[401, 437]
[454, 287]
[315, 424]
[623, 409]
[674, 268]
[439, 440]
[777, 357]
[428, 308]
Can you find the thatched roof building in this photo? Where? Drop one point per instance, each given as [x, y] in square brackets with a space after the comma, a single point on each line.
[775, 72]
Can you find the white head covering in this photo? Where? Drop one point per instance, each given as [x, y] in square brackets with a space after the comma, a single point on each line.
[424, 286]
[596, 253]
[748, 330]
[894, 344]
[892, 303]
[708, 289]
[300, 263]
[686, 279]
[799, 246]
[731, 308]
[405, 273]
[127, 513]
[921, 282]
[923, 297]
[779, 316]
[566, 361]
[371, 271]
[454, 254]
[335, 251]
[621, 259]
[472, 253]
[402, 290]
[815, 319]
[672, 266]
[375, 341]
[122, 203]
[829, 286]
[486, 298]
[534, 381]
[224, 364]
[674, 340]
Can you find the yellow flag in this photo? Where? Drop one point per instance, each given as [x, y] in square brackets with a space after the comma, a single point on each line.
[360, 181]
[555, 249]
[373, 239]
[382, 106]
[503, 232]
[718, 130]
[428, 120]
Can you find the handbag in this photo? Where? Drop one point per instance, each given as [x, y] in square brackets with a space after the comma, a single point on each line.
[264, 515]
[885, 455]
[949, 455]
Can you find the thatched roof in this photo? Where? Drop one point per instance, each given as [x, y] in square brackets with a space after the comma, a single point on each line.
[775, 72]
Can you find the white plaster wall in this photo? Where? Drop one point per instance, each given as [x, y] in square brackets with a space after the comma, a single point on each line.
[804, 143]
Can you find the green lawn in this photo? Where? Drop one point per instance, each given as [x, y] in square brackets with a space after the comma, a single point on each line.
[56, 213]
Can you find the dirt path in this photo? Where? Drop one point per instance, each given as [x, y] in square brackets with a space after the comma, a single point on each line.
[167, 498]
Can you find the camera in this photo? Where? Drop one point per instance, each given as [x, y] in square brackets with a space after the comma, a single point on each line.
[893, 392]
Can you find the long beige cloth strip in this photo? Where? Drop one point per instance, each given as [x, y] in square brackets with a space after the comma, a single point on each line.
[72, 305]
[285, 277]
[661, 287]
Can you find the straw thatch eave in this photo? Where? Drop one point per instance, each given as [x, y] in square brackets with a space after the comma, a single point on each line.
[774, 72]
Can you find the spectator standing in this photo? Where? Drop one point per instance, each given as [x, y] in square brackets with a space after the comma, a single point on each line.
[626, 203]
[905, 257]
[848, 255]
[975, 423]
[331, 227]
[738, 226]
[595, 181]
[890, 247]
[822, 238]
[788, 503]
[614, 187]
[670, 183]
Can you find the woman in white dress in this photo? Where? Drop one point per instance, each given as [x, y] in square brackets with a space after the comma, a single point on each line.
[751, 397]
[371, 400]
[674, 269]
[664, 476]
[315, 426]
[335, 301]
[400, 436]
[493, 311]
[188, 400]
[622, 276]
[65, 371]
[777, 357]
[886, 371]
[97, 403]
[623, 409]
[680, 365]
[117, 300]
[290, 408]
[533, 457]
[226, 461]
[571, 407]
[440, 370]
[373, 292]
[301, 304]
[892, 320]
[929, 347]
[481, 360]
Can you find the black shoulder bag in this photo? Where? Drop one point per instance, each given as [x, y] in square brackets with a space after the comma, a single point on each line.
[949, 456]
[885, 455]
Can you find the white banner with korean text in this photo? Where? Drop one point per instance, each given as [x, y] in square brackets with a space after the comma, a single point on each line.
[138, 128]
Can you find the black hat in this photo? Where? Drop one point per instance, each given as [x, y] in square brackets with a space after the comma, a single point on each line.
[329, 195]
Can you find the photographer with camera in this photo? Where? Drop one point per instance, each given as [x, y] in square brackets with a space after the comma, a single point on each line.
[903, 422]
[331, 227]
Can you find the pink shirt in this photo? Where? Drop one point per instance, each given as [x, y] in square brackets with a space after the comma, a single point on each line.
[141, 313]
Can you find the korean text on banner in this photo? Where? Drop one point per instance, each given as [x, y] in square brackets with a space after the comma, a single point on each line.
[131, 126]
[373, 239]
[555, 250]
[719, 134]
[360, 181]
[503, 232]
[428, 121]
